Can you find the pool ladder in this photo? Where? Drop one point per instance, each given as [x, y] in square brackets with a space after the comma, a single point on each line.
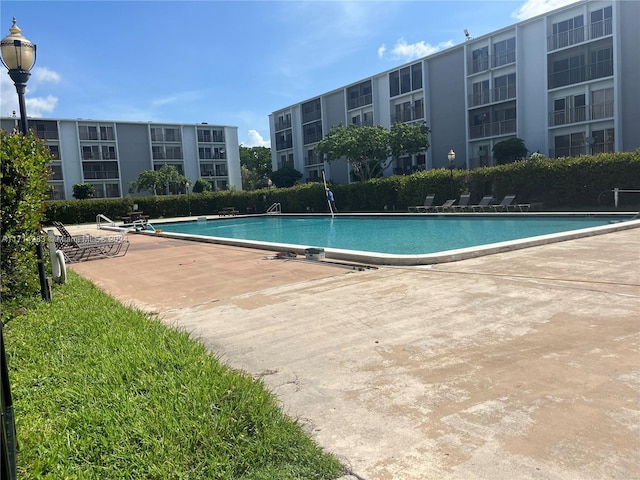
[276, 208]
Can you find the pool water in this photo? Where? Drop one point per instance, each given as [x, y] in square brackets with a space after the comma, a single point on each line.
[398, 235]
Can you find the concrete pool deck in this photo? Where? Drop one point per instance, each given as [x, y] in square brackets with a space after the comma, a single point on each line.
[523, 364]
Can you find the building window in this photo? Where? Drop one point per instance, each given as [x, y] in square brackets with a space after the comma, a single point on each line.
[55, 151]
[367, 119]
[359, 95]
[284, 140]
[602, 103]
[405, 80]
[311, 111]
[504, 52]
[45, 130]
[601, 22]
[567, 32]
[108, 152]
[157, 134]
[504, 87]
[106, 133]
[88, 132]
[480, 95]
[172, 135]
[480, 60]
[157, 152]
[56, 171]
[90, 152]
[603, 141]
[173, 152]
[56, 192]
[570, 145]
[99, 170]
[283, 121]
[312, 132]
[204, 136]
[568, 109]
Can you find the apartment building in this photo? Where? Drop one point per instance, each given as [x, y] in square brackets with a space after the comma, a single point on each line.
[565, 82]
[111, 154]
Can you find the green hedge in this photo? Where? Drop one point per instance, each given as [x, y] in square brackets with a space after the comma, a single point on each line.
[23, 189]
[569, 183]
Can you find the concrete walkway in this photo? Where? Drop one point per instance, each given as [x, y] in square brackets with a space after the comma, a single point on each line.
[520, 365]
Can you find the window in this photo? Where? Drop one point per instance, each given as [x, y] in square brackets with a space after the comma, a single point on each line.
[367, 118]
[567, 71]
[283, 121]
[172, 134]
[480, 94]
[359, 95]
[312, 132]
[87, 132]
[106, 133]
[206, 169]
[99, 170]
[602, 103]
[601, 22]
[218, 135]
[56, 171]
[570, 145]
[603, 141]
[205, 153]
[90, 152]
[601, 63]
[480, 60]
[173, 152]
[108, 152]
[284, 140]
[55, 151]
[311, 111]
[504, 52]
[416, 76]
[418, 109]
[157, 152]
[405, 80]
[45, 130]
[157, 134]
[204, 135]
[567, 32]
[504, 87]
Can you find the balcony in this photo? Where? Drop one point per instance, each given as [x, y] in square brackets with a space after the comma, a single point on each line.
[360, 101]
[579, 35]
[500, 94]
[585, 73]
[282, 124]
[482, 64]
[492, 129]
[408, 115]
[581, 114]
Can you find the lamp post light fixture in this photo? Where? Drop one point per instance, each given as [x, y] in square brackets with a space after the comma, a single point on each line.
[19, 57]
[452, 163]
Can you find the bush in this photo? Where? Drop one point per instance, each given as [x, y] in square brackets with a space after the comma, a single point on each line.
[23, 189]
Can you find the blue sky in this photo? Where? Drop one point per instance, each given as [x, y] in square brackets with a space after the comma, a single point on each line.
[227, 62]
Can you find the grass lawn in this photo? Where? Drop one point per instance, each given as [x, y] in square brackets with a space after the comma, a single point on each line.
[102, 391]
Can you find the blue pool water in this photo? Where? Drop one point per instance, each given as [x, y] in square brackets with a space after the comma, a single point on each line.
[398, 235]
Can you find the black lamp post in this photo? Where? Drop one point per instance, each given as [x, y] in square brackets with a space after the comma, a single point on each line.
[452, 163]
[19, 57]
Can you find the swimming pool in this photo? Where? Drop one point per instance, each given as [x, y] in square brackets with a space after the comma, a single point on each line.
[397, 239]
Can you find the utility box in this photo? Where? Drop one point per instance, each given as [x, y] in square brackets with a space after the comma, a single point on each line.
[314, 253]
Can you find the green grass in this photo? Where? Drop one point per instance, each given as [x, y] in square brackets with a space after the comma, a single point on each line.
[102, 391]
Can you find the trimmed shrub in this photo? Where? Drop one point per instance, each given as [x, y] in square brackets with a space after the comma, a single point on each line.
[22, 192]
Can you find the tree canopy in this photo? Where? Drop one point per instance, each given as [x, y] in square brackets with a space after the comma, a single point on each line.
[370, 149]
[165, 180]
[286, 177]
[82, 191]
[508, 151]
[255, 164]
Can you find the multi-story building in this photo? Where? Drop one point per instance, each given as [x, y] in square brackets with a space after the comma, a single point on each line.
[110, 155]
[566, 82]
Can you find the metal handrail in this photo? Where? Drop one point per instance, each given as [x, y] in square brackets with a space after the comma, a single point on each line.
[275, 208]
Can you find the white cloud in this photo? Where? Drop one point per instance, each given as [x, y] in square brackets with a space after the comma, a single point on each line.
[36, 105]
[410, 51]
[532, 8]
[254, 139]
[44, 75]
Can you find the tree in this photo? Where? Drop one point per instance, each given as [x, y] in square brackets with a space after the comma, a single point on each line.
[202, 185]
[408, 139]
[82, 191]
[258, 161]
[365, 148]
[167, 179]
[286, 177]
[508, 151]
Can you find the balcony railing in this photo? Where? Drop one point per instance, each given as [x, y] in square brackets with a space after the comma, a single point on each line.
[492, 129]
[482, 64]
[360, 101]
[495, 95]
[581, 114]
[98, 156]
[581, 74]
[311, 116]
[579, 35]
[407, 115]
[100, 175]
[283, 125]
